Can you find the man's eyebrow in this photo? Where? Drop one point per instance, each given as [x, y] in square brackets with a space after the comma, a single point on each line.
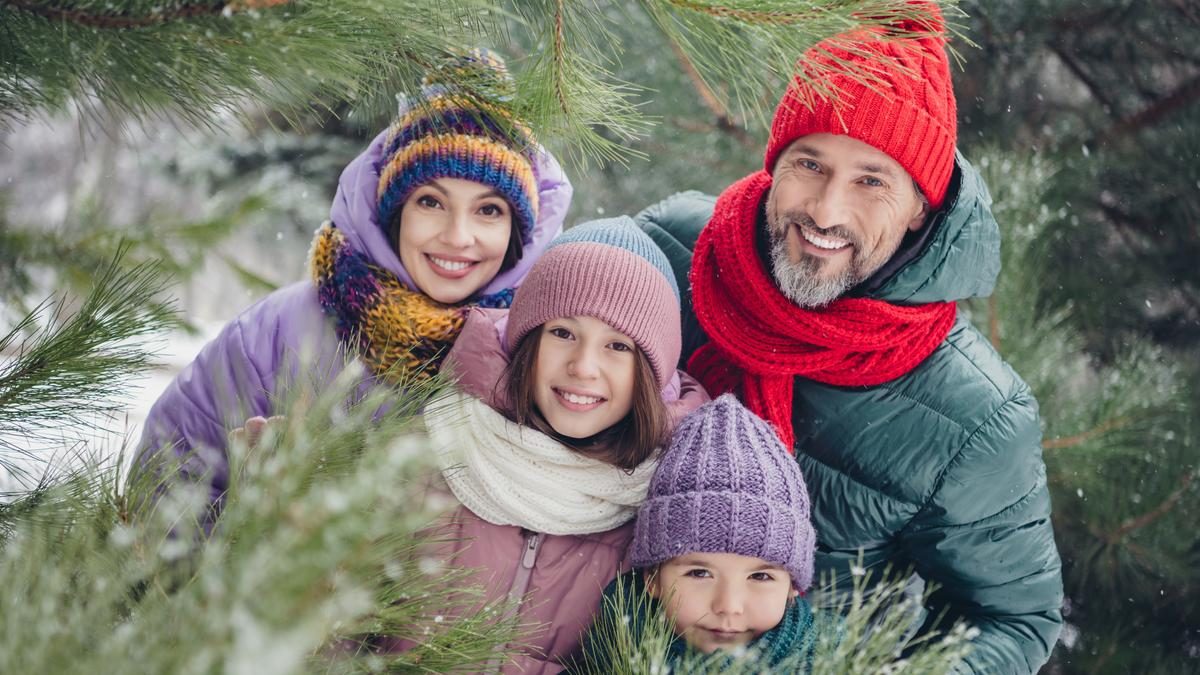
[803, 150]
[877, 168]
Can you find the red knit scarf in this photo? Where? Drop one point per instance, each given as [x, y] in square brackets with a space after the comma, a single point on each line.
[759, 340]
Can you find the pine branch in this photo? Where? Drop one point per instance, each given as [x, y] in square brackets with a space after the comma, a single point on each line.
[119, 20]
[725, 121]
[1183, 96]
[1138, 522]
[747, 16]
[1093, 87]
[1085, 436]
[68, 373]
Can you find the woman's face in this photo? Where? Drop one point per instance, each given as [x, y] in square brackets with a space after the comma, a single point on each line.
[583, 375]
[453, 237]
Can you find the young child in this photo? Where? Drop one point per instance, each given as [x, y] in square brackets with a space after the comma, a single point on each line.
[549, 483]
[440, 213]
[723, 545]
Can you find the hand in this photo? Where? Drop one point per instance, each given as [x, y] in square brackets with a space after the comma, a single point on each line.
[252, 432]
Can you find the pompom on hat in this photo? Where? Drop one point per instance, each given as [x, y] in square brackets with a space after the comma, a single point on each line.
[725, 484]
[450, 131]
[907, 111]
[609, 270]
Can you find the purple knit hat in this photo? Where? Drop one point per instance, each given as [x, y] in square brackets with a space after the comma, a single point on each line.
[726, 485]
[609, 270]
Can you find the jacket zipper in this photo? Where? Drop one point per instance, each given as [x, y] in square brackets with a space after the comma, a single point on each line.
[520, 584]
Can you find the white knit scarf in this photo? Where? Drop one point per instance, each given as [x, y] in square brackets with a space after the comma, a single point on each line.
[508, 474]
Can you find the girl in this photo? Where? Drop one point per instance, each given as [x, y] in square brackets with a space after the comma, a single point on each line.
[724, 548]
[440, 213]
[549, 482]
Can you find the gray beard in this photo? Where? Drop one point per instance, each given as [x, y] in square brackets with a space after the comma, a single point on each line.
[800, 281]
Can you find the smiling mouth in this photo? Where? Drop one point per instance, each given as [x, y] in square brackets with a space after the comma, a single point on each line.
[823, 242]
[449, 265]
[578, 402]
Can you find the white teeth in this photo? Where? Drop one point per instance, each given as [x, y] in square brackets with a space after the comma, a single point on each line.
[450, 265]
[822, 242]
[580, 400]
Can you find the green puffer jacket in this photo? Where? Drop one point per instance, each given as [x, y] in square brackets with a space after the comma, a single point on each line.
[941, 469]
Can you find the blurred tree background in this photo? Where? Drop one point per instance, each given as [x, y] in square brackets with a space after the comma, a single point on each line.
[1083, 114]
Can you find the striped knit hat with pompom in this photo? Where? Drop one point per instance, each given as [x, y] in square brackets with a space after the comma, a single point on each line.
[726, 485]
[459, 128]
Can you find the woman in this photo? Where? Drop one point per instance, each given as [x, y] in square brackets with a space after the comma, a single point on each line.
[445, 210]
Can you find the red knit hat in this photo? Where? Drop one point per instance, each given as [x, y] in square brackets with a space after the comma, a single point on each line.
[911, 115]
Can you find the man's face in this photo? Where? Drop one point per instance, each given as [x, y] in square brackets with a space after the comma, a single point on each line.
[837, 211]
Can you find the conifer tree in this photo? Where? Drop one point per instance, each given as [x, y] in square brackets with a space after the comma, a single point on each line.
[317, 547]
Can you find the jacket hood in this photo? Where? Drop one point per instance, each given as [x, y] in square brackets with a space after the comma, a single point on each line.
[353, 212]
[957, 258]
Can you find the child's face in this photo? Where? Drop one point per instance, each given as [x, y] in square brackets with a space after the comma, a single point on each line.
[453, 237]
[583, 375]
[722, 600]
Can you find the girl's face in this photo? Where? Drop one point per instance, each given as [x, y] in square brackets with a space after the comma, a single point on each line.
[453, 237]
[583, 375]
[722, 600]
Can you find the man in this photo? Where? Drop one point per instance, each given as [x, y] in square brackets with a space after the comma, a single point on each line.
[823, 292]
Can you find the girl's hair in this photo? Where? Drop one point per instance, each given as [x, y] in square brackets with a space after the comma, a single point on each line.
[511, 255]
[625, 444]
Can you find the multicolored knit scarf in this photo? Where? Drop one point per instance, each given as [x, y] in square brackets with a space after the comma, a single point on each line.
[396, 331]
[760, 340]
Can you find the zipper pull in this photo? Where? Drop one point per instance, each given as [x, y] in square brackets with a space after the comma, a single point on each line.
[531, 549]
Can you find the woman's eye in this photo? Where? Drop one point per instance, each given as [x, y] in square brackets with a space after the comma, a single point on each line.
[491, 210]
[428, 202]
[561, 333]
[762, 576]
[698, 573]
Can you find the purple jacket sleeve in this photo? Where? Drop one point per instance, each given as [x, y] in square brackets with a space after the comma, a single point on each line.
[234, 377]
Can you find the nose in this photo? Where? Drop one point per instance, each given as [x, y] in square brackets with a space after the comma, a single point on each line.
[583, 363]
[830, 206]
[728, 600]
[457, 232]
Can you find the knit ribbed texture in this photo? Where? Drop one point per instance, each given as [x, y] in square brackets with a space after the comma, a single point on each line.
[508, 474]
[911, 116]
[447, 134]
[612, 271]
[726, 485]
[624, 233]
[395, 330]
[759, 340]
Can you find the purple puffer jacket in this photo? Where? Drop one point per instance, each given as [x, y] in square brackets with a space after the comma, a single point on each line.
[241, 371]
[559, 579]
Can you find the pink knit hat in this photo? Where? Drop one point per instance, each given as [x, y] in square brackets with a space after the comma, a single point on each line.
[612, 271]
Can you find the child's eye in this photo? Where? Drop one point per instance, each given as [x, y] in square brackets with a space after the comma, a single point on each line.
[698, 573]
[560, 332]
[428, 202]
[620, 347]
[762, 576]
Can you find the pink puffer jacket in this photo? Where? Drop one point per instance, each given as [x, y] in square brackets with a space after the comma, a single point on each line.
[559, 578]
